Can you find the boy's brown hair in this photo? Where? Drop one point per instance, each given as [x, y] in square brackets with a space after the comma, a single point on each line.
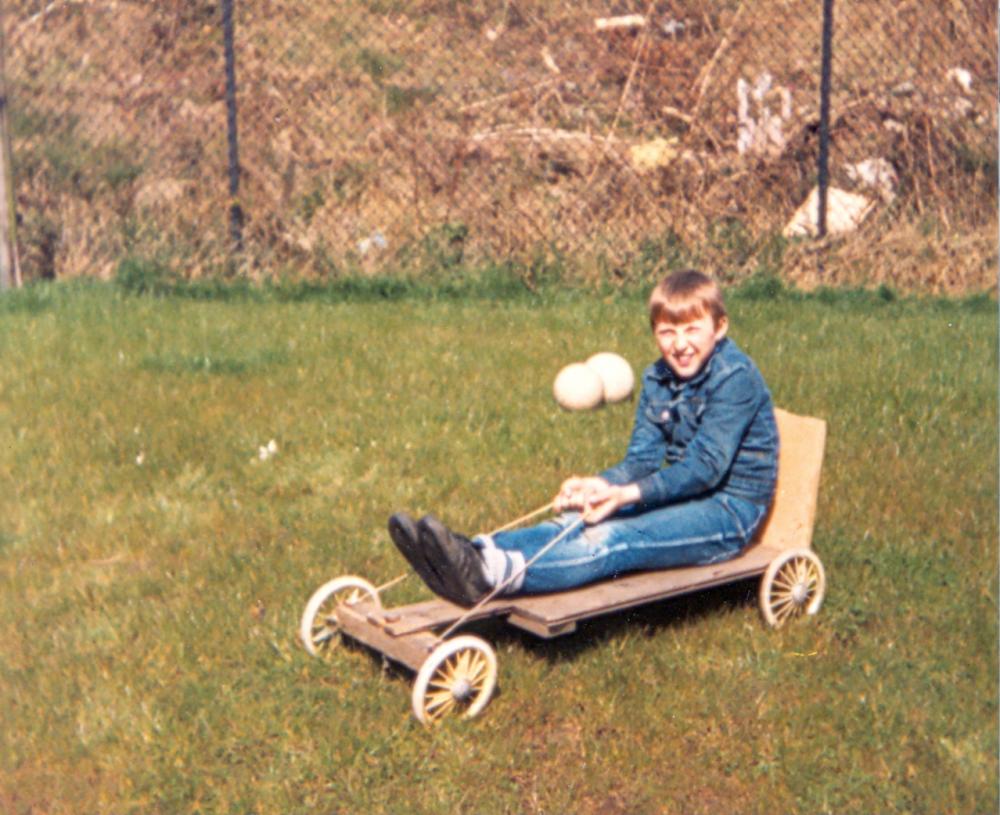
[686, 295]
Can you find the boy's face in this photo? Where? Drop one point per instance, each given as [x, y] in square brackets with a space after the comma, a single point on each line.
[687, 346]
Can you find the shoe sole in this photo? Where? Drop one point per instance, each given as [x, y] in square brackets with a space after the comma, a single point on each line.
[435, 546]
[406, 537]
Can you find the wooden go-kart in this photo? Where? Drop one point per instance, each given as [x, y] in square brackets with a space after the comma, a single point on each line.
[458, 675]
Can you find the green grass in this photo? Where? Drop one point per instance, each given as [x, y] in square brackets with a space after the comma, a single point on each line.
[153, 568]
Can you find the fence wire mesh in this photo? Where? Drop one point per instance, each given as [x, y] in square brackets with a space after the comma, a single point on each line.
[408, 136]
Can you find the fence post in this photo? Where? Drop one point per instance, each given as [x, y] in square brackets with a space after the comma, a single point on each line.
[235, 211]
[824, 117]
[10, 269]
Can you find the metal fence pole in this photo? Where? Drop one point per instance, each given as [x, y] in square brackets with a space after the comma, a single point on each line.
[824, 117]
[10, 270]
[235, 211]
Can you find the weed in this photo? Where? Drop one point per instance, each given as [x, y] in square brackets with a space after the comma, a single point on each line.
[733, 240]
[31, 299]
[764, 286]
[444, 247]
[771, 254]
[378, 65]
[310, 203]
[399, 99]
[215, 364]
[140, 276]
[659, 255]
[118, 167]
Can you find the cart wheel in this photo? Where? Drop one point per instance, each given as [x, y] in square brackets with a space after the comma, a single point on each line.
[794, 584]
[319, 625]
[459, 676]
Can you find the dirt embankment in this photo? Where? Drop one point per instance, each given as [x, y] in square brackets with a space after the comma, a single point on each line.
[415, 137]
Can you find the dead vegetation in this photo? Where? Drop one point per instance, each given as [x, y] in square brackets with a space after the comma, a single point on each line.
[410, 136]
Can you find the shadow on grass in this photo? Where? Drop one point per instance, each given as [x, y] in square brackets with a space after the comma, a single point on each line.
[649, 619]
[219, 364]
[596, 632]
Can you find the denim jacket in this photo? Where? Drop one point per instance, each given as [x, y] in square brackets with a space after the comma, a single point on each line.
[714, 432]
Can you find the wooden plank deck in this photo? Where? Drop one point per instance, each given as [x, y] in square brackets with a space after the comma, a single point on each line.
[549, 615]
[362, 622]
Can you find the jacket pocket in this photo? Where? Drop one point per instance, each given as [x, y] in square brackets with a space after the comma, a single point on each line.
[661, 413]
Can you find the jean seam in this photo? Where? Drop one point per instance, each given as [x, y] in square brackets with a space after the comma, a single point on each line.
[611, 550]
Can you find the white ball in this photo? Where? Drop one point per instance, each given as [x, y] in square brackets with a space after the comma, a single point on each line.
[615, 373]
[578, 387]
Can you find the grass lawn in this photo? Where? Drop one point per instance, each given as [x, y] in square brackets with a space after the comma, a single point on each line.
[153, 568]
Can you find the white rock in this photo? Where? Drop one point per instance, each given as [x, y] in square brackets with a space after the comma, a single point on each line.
[876, 173]
[844, 211]
[962, 76]
[578, 387]
[615, 373]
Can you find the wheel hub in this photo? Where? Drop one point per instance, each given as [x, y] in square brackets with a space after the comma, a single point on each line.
[800, 593]
[461, 690]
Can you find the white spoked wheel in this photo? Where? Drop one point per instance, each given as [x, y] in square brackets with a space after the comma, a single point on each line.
[318, 628]
[459, 677]
[793, 585]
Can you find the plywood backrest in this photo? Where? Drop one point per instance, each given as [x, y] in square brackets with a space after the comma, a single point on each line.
[790, 523]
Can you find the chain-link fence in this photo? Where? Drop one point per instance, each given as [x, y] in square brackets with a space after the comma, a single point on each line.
[417, 136]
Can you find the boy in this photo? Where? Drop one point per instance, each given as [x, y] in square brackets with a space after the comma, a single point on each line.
[704, 411]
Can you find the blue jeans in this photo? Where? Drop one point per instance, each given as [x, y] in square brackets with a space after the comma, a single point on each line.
[691, 533]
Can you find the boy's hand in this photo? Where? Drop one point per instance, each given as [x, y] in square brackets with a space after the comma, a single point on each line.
[576, 491]
[606, 502]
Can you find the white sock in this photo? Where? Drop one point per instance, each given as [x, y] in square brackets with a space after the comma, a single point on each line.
[500, 564]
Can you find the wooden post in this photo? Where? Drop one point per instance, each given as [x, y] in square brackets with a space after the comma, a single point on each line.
[10, 269]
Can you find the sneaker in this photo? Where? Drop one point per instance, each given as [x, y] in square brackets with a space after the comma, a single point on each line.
[463, 573]
[406, 536]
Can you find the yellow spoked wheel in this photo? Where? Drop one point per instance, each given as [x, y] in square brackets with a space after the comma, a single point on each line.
[318, 628]
[458, 678]
[793, 585]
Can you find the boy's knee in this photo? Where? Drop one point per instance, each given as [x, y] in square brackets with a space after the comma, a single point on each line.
[596, 538]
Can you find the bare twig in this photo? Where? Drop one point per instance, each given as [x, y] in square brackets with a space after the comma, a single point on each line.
[542, 134]
[675, 113]
[56, 3]
[933, 174]
[549, 61]
[631, 75]
[625, 92]
[705, 75]
[623, 21]
[505, 96]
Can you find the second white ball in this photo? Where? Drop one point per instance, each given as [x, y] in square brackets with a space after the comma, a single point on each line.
[615, 373]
